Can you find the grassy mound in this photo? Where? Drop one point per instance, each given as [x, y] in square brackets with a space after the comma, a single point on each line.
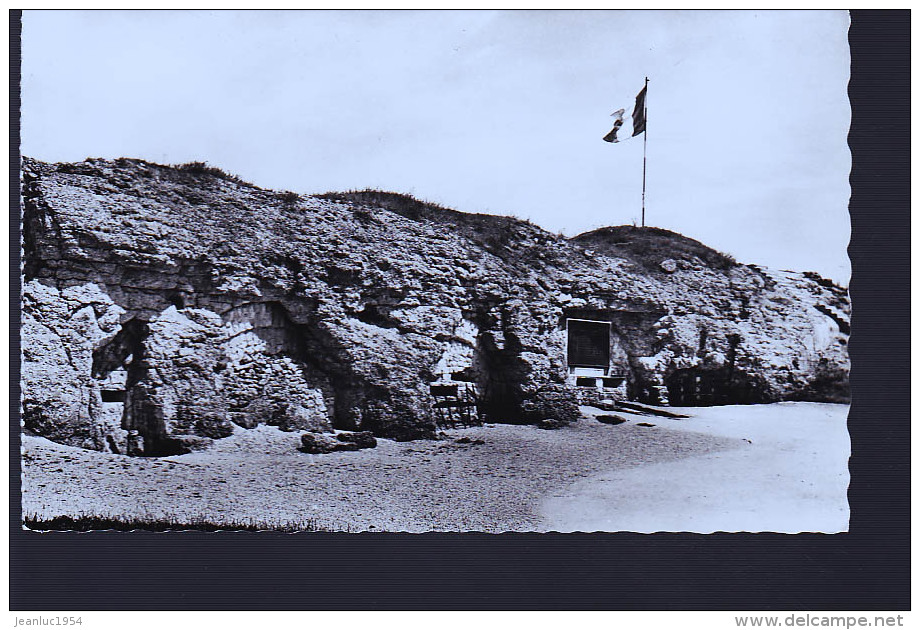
[495, 233]
[648, 246]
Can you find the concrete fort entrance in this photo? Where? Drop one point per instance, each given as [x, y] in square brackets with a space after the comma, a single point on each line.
[590, 360]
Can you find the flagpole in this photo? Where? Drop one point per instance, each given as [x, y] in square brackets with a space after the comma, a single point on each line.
[644, 145]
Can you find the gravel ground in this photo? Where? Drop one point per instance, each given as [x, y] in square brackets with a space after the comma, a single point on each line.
[258, 475]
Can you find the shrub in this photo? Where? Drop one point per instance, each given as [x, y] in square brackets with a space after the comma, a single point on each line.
[821, 280]
[289, 198]
[203, 168]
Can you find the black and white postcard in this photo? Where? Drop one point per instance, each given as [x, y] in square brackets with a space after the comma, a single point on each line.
[434, 271]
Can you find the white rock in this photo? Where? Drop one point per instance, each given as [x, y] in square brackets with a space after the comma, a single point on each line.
[669, 265]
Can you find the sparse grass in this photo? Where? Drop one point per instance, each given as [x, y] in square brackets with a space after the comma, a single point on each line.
[496, 233]
[648, 246]
[126, 523]
[203, 168]
[289, 198]
[824, 282]
[405, 205]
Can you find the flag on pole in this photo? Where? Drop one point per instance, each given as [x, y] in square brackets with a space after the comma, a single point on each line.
[639, 113]
[638, 118]
[612, 136]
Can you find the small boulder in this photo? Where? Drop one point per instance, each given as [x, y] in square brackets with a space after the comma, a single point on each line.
[466, 440]
[669, 265]
[316, 443]
[361, 439]
[345, 446]
[551, 423]
[611, 419]
[244, 419]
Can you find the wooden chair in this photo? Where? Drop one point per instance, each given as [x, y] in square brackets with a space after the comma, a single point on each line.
[455, 405]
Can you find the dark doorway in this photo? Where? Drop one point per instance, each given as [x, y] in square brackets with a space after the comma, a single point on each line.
[113, 395]
[589, 344]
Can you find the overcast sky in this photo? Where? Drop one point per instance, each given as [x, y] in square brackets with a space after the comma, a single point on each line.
[499, 112]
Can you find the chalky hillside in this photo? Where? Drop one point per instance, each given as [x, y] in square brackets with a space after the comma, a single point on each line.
[165, 308]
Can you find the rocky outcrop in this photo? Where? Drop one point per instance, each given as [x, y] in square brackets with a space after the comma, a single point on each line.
[163, 306]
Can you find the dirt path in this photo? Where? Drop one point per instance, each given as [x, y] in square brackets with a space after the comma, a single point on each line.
[790, 477]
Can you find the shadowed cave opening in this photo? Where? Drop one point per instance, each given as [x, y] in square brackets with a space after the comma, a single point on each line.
[141, 416]
[704, 386]
[325, 361]
[144, 421]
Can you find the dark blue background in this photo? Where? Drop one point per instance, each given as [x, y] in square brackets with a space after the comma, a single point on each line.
[867, 568]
